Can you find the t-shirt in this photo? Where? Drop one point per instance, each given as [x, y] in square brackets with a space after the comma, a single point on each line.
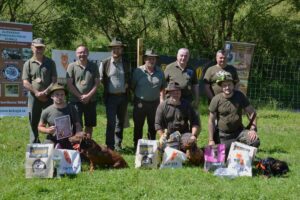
[229, 111]
[147, 86]
[175, 117]
[211, 76]
[83, 78]
[49, 115]
[186, 78]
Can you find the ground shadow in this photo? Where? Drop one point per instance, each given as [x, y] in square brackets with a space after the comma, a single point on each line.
[273, 150]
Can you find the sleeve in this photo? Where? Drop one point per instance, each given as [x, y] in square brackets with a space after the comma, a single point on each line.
[133, 80]
[25, 72]
[159, 125]
[164, 82]
[166, 73]
[53, 69]
[206, 77]
[194, 78]
[69, 73]
[213, 106]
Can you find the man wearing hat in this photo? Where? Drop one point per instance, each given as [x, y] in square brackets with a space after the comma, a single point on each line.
[115, 77]
[57, 110]
[39, 74]
[227, 108]
[176, 114]
[83, 80]
[148, 83]
[185, 76]
[211, 75]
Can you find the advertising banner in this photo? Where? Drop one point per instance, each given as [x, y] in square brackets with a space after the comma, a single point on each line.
[15, 42]
[239, 55]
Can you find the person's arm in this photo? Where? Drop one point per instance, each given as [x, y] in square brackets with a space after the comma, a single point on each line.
[46, 130]
[162, 95]
[211, 128]
[208, 91]
[253, 129]
[196, 96]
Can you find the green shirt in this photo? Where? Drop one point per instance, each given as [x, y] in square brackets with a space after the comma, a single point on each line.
[147, 86]
[39, 75]
[211, 73]
[186, 78]
[229, 111]
[83, 78]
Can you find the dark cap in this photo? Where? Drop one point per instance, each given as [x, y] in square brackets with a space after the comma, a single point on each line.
[57, 86]
[173, 86]
[38, 42]
[116, 43]
[150, 52]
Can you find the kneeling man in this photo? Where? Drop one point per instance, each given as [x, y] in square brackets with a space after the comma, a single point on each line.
[226, 108]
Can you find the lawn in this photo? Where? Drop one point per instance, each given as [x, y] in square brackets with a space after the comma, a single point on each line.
[278, 130]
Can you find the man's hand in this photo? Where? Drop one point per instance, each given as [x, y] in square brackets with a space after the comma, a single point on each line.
[85, 98]
[211, 142]
[252, 135]
[51, 130]
[41, 96]
[193, 139]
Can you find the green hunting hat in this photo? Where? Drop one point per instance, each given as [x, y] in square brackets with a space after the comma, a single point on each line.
[223, 76]
[173, 86]
[57, 86]
[150, 52]
[38, 42]
[116, 43]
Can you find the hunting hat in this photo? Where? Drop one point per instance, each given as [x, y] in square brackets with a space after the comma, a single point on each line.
[150, 52]
[223, 76]
[57, 86]
[116, 43]
[38, 42]
[173, 86]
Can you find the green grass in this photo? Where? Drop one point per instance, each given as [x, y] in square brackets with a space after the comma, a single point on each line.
[278, 130]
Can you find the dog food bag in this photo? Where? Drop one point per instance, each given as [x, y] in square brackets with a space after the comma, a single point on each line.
[243, 147]
[172, 158]
[66, 161]
[147, 154]
[241, 162]
[214, 157]
[39, 161]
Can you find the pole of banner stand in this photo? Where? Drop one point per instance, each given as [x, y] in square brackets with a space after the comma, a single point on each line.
[140, 45]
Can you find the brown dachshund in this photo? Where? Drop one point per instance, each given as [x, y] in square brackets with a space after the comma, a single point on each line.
[194, 154]
[98, 154]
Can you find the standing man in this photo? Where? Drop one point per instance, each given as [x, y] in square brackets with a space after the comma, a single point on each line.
[83, 80]
[179, 72]
[212, 73]
[59, 108]
[227, 108]
[115, 76]
[148, 83]
[39, 74]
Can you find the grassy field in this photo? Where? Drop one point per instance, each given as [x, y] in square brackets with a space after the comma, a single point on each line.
[278, 130]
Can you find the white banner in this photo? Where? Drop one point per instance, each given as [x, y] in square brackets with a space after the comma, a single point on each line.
[62, 58]
[13, 111]
[15, 36]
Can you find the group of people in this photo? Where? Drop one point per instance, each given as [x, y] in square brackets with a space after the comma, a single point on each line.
[168, 99]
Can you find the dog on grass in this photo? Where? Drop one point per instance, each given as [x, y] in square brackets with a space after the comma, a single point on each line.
[98, 155]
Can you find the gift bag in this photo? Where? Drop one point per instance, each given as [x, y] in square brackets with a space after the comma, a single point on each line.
[39, 161]
[172, 158]
[241, 162]
[66, 161]
[214, 157]
[147, 154]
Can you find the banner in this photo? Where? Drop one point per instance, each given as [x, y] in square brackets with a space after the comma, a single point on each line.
[239, 55]
[63, 58]
[15, 42]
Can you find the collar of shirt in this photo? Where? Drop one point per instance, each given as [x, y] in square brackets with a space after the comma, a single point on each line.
[80, 65]
[33, 59]
[143, 67]
[115, 62]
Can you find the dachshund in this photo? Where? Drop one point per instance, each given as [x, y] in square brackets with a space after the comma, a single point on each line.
[97, 154]
[194, 154]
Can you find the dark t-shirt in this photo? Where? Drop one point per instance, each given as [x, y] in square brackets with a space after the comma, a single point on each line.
[49, 115]
[175, 118]
[211, 75]
[229, 111]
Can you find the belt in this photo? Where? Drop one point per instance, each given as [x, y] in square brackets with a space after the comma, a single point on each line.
[143, 101]
[117, 94]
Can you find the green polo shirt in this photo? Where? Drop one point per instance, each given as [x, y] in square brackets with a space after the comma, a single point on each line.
[83, 78]
[211, 76]
[147, 86]
[186, 78]
[39, 75]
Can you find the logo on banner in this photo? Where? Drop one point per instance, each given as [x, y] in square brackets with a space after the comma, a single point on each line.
[11, 72]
